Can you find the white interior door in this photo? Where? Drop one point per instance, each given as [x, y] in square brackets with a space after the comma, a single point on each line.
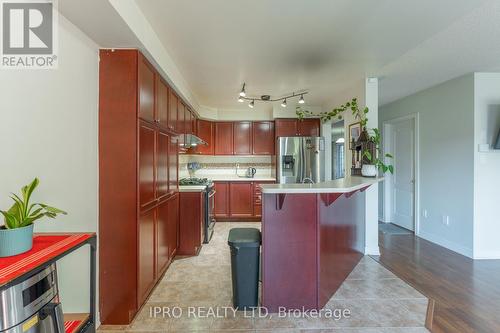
[403, 144]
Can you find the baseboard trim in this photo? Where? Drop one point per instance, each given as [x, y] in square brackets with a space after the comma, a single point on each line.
[446, 243]
[485, 255]
[372, 251]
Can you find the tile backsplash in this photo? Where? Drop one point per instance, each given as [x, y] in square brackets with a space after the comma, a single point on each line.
[223, 165]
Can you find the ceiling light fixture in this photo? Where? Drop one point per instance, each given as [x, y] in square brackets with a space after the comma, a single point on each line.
[301, 100]
[242, 92]
[267, 98]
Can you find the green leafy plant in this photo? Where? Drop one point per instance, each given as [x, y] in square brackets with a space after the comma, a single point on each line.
[360, 115]
[23, 213]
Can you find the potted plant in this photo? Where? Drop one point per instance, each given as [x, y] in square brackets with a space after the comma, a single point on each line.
[16, 235]
[371, 162]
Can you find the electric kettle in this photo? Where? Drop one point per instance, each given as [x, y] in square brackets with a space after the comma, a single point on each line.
[250, 172]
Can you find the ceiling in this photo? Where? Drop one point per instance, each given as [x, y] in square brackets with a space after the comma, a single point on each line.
[281, 46]
[324, 46]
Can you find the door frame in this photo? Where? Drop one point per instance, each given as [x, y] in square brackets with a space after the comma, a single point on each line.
[387, 209]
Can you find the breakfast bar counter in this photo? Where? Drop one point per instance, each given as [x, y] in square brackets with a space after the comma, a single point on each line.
[313, 235]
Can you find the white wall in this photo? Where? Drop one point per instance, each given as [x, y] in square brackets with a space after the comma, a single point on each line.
[48, 129]
[446, 159]
[487, 166]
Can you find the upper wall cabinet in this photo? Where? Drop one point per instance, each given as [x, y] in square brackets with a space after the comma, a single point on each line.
[205, 130]
[172, 110]
[263, 138]
[162, 102]
[242, 138]
[146, 76]
[297, 127]
[223, 138]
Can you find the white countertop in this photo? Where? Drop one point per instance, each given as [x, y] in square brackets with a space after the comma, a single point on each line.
[234, 178]
[192, 188]
[344, 185]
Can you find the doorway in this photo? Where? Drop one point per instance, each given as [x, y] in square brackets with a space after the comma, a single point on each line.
[338, 150]
[401, 188]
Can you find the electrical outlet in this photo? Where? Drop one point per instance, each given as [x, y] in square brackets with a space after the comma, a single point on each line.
[446, 220]
[424, 213]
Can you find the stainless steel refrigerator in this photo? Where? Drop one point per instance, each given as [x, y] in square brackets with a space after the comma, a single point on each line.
[300, 160]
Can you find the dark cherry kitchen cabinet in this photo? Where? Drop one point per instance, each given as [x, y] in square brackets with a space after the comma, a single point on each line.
[146, 254]
[205, 130]
[285, 127]
[240, 199]
[192, 212]
[257, 198]
[308, 127]
[162, 92]
[223, 138]
[146, 77]
[242, 138]
[147, 137]
[173, 116]
[166, 232]
[263, 138]
[181, 120]
[138, 184]
[221, 201]
[162, 164]
[188, 121]
[296, 127]
[173, 225]
[173, 165]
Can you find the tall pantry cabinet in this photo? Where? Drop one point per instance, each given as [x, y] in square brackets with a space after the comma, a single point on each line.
[138, 185]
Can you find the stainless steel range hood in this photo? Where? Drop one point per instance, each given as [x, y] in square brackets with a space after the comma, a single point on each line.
[190, 141]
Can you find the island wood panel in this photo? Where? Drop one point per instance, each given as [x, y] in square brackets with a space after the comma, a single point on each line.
[289, 252]
[341, 236]
[117, 209]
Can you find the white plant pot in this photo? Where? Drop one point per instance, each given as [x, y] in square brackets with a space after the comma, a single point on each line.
[369, 170]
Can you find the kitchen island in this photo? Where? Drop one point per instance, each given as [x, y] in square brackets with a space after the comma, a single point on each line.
[313, 235]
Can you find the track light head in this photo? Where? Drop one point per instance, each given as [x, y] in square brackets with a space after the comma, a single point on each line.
[240, 99]
[251, 104]
[242, 92]
[301, 100]
[283, 104]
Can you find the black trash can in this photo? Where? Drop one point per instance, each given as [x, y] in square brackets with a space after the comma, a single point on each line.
[245, 257]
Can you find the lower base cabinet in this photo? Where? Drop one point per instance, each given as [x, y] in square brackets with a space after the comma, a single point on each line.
[158, 241]
[238, 200]
[192, 213]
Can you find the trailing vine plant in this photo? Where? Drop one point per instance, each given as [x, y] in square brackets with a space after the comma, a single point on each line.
[360, 115]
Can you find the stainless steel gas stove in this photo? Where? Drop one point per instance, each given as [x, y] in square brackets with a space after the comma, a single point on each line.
[209, 199]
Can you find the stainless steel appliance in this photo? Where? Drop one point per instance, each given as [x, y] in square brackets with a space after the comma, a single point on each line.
[209, 202]
[250, 172]
[300, 160]
[32, 306]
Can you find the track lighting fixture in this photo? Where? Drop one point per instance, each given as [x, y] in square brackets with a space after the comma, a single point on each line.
[267, 98]
[242, 92]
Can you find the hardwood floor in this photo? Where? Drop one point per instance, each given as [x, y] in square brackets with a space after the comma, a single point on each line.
[466, 292]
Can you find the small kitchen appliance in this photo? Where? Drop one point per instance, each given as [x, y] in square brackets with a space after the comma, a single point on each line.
[32, 305]
[250, 172]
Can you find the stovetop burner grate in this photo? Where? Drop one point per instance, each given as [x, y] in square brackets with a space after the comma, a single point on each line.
[194, 181]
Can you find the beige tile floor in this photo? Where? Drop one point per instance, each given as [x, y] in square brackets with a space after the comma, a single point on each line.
[378, 301]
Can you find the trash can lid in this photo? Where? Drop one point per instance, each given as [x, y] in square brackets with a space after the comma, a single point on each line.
[244, 237]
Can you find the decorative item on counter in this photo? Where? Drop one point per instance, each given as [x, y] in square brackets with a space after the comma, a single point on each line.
[16, 236]
[366, 148]
[192, 167]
